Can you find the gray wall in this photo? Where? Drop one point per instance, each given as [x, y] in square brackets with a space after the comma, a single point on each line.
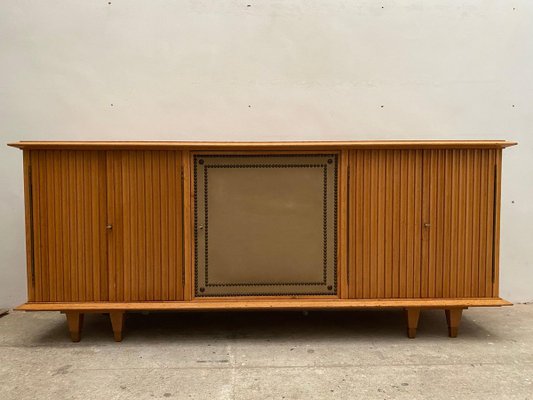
[269, 70]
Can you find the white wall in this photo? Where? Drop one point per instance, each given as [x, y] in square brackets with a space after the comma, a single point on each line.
[269, 70]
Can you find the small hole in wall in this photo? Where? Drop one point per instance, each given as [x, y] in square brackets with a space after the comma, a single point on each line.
[111, 104]
[382, 106]
[512, 202]
[513, 105]
[249, 106]
[248, 5]
[109, 3]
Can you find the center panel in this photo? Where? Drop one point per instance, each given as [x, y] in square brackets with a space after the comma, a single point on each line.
[265, 225]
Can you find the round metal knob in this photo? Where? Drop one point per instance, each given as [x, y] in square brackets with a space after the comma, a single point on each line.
[427, 225]
[109, 227]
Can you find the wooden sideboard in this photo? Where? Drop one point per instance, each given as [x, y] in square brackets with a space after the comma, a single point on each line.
[113, 227]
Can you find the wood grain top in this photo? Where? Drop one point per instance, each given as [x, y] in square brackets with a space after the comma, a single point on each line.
[289, 145]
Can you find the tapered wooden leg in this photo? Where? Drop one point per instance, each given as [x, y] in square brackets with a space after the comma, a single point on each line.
[453, 318]
[75, 324]
[413, 314]
[117, 322]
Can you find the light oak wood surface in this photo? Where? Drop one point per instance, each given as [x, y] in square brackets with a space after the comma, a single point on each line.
[288, 145]
[110, 227]
[255, 304]
[144, 225]
[385, 223]
[68, 217]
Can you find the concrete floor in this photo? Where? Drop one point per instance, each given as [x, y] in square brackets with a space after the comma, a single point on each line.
[270, 355]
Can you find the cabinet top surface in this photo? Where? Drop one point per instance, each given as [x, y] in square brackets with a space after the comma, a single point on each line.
[285, 145]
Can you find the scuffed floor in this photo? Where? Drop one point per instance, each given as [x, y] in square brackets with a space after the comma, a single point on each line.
[270, 355]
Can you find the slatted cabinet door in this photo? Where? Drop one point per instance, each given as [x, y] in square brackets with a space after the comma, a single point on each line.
[460, 209]
[385, 200]
[144, 197]
[65, 193]
[424, 223]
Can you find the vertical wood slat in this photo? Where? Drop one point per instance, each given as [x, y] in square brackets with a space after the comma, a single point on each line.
[133, 283]
[149, 225]
[489, 230]
[385, 218]
[402, 221]
[483, 223]
[396, 224]
[497, 185]
[187, 225]
[461, 228]
[373, 224]
[50, 190]
[389, 226]
[342, 217]
[164, 225]
[65, 216]
[73, 238]
[173, 182]
[474, 267]
[426, 274]
[58, 236]
[366, 226]
[38, 266]
[382, 192]
[80, 222]
[68, 225]
[468, 228]
[156, 199]
[140, 276]
[144, 192]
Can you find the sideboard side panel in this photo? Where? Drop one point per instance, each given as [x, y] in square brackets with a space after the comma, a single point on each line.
[385, 223]
[28, 212]
[68, 213]
[145, 211]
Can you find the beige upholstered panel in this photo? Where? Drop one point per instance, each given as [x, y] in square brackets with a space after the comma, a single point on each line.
[265, 225]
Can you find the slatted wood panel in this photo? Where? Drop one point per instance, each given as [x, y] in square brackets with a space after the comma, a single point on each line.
[459, 199]
[68, 214]
[145, 210]
[385, 194]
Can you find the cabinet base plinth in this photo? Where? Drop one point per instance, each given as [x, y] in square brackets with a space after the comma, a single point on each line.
[453, 309]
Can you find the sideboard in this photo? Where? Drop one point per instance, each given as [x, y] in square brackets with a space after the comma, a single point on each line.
[113, 227]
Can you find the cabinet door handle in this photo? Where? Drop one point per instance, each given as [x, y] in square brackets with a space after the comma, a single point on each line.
[109, 227]
[427, 225]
